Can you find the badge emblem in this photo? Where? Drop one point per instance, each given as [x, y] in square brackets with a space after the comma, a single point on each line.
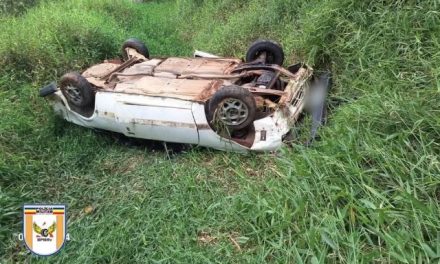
[44, 228]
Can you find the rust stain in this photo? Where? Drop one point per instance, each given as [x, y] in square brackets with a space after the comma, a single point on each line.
[203, 127]
[266, 91]
[149, 122]
[186, 66]
[99, 70]
[107, 114]
[231, 67]
[209, 90]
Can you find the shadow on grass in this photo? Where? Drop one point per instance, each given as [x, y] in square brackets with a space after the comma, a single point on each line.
[170, 149]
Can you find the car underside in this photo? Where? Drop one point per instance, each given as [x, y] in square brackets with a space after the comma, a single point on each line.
[223, 103]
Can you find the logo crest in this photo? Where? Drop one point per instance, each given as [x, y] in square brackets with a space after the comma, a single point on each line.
[44, 228]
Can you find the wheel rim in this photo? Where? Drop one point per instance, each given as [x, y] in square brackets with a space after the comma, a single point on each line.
[74, 94]
[233, 112]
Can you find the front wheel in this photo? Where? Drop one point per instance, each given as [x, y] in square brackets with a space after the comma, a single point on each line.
[232, 107]
[77, 90]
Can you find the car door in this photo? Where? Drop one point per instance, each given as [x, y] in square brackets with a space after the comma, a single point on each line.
[157, 118]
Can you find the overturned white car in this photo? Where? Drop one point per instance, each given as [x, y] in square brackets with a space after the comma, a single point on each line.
[222, 103]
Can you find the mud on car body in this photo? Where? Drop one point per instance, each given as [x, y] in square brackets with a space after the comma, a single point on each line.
[223, 103]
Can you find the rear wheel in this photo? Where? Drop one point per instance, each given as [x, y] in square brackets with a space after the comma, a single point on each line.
[77, 90]
[273, 52]
[231, 107]
[137, 45]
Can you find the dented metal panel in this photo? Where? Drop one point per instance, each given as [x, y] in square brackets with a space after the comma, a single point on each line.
[272, 127]
[100, 70]
[269, 132]
[185, 66]
[157, 118]
[136, 116]
[104, 118]
[186, 89]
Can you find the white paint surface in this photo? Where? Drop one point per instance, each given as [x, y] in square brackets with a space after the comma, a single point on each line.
[170, 120]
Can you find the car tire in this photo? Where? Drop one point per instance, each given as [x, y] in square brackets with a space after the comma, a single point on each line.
[136, 44]
[274, 52]
[232, 107]
[77, 90]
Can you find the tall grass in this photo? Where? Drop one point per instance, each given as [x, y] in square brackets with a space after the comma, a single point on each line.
[48, 41]
[368, 191]
[16, 7]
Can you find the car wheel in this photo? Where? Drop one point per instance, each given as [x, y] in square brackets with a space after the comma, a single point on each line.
[232, 107]
[136, 44]
[77, 90]
[274, 52]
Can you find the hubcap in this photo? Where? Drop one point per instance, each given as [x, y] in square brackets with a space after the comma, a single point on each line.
[74, 94]
[233, 112]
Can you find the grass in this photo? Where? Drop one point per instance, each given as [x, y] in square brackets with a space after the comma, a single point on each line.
[368, 191]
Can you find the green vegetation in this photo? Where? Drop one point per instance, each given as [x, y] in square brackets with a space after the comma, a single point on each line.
[368, 191]
[16, 7]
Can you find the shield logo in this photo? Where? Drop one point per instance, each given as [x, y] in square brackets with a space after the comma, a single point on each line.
[44, 228]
